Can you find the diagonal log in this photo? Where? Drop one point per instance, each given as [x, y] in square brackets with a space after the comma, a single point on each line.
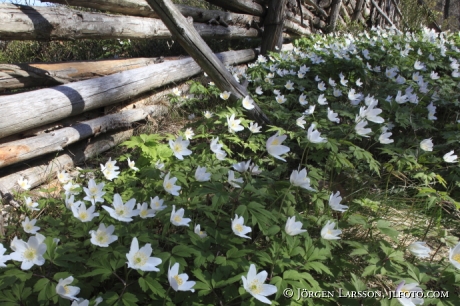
[191, 41]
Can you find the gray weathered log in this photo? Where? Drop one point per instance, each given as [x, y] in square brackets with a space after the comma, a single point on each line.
[240, 6]
[307, 16]
[21, 112]
[28, 148]
[297, 28]
[358, 10]
[335, 10]
[41, 171]
[379, 10]
[44, 74]
[324, 3]
[397, 8]
[317, 8]
[142, 9]
[191, 41]
[61, 23]
[344, 13]
[272, 38]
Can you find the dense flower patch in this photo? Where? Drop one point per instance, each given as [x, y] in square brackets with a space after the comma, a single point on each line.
[370, 121]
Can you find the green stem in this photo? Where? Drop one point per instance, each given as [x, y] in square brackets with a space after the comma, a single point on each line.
[164, 301]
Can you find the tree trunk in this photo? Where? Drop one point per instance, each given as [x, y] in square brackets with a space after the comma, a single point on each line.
[23, 111]
[142, 9]
[61, 23]
[199, 50]
[272, 38]
[28, 148]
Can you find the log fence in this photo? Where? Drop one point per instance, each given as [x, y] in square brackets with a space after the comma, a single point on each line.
[47, 129]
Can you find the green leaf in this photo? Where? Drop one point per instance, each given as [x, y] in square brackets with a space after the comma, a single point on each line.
[384, 227]
[129, 299]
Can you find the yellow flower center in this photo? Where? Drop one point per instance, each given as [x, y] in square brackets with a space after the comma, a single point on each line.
[255, 287]
[28, 227]
[456, 257]
[109, 167]
[178, 280]
[66, 289]
[275, 142]
[168, 187]
[120, 211]
[143, 213]
[30, 254]
[201, 233]
[102, 237]
[157, 204]
[177, 147]
[83, 215]
[140, 259]
[329, 232]
[239, 228]
[93, 190]
[177, 219]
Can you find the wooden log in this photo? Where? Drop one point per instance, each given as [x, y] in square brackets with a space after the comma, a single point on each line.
[41, 171]
[325, 4]
[273, 26]
[297, 28]
[344, 13]
[28, 148]
[316, 6]
[240, 6]
[397, 7]
[142, 9]
[335, 9]
[379, 10]
[358, 10]
[46, 74]
[307, 15]
[24, 111]
[192, 42]
[61, 23]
